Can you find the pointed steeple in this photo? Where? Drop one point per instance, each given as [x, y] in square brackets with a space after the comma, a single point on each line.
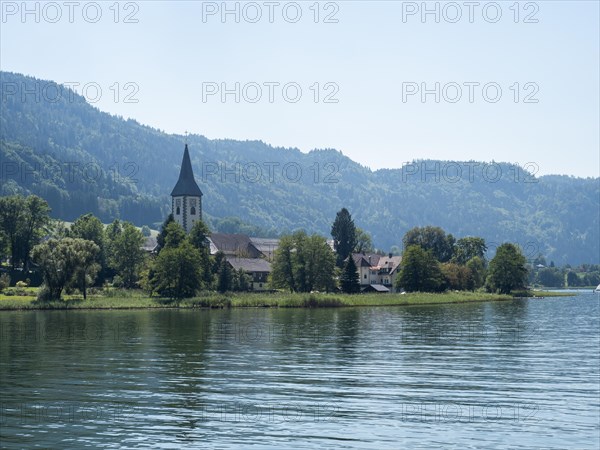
[186, 185]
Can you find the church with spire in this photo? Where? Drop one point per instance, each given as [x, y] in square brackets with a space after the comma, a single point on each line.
[186, 197]
[252, 255]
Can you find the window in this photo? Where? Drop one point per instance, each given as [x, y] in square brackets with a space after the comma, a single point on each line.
[178, 211]
[193, 211]
[259, 285]
[365, 277]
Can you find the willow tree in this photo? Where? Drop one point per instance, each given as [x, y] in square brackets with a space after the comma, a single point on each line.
[64, 261]
[90, 228]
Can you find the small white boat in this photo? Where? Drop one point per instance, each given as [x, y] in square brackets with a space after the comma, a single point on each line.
[597, 289]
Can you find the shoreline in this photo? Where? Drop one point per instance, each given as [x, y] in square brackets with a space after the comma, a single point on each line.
[130, 301]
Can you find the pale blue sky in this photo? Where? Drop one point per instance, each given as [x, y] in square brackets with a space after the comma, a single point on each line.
[368, 54]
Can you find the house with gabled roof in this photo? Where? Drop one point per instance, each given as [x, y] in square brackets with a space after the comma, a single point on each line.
[266, 246]
[377, 273]
[257, 268]
[238, 245]
[150, 244]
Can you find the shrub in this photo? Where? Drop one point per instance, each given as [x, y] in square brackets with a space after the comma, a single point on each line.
[93, 291]
[117, 281]
[212, 301]
[15, 292]
[44, 294]
[4, 281]
[21, 284]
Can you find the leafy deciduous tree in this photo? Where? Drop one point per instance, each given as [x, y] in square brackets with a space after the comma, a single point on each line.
[198, 238]
[572, 279]
[282, 269]
[23, 221]
[364, 243]
[478, 272]
[507, 269]
[176, 271]
[433, 239]
[468, 248]
[303, 264]
[174, 235]
[241, 280]
[419, 271]
[126, 256]
[457, 277]
[35, 226]
[550, 277]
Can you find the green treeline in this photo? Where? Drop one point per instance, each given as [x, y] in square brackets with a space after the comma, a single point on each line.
[81, 160]
[88, 255]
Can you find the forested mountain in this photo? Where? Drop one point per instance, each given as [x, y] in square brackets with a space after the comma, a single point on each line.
[83, 160]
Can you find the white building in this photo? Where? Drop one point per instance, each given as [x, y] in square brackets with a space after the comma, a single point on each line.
[377, 272]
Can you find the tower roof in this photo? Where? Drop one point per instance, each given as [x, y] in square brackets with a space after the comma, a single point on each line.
[186, 184]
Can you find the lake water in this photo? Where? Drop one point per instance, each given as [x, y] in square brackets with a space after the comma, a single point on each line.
[519, 374]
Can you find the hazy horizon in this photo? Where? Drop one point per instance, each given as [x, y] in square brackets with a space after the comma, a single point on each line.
[382, 82]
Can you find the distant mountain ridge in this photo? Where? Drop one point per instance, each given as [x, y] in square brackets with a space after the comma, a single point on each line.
[83, 160]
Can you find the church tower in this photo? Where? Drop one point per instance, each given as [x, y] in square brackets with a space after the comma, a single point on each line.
[186, 197]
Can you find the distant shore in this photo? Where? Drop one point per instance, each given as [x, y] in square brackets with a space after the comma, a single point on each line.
[138, 300]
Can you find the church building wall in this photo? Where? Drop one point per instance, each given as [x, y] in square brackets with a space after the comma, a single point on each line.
[186, 210]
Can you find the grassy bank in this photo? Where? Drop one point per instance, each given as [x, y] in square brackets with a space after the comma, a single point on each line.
[543, 294]
[552, 294]
[136, 299]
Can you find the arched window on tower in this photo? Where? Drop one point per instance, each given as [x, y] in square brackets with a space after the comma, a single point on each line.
[193, 210]
[178, 211]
